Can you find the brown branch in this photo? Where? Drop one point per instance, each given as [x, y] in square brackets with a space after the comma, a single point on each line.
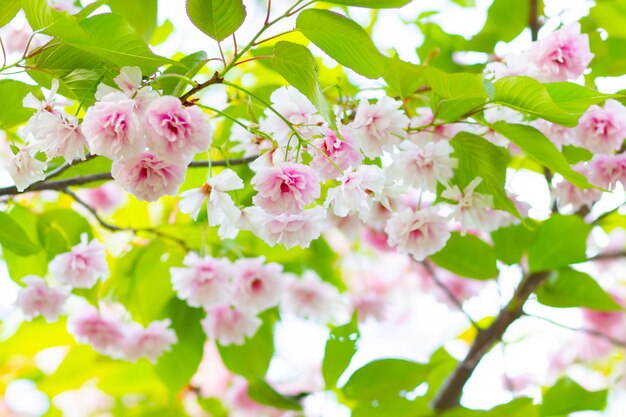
[60, 185]
[533, 20]
[185, 98]
[450, 394]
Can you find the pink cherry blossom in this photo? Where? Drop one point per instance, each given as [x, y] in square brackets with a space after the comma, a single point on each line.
[24, 169]
[257, 285]
[112, 129]
[369, 307]
[270, 159]
[230, 326]
[562, 55]
[148, 177]
[472, 210]
[149, 342]
[567, 194]
[57, 134]
[423, 165]
[419, 234]
[354, 194]
[602, 129]
[287, 187]
[558, 135]
[426, 132]
[49, 103]
[607, 170]
[310, 297]
[16, 39]
[203, 282]
[378, 127]
[82, 266]
[512, 65]
[341, 150]
[297, 109]
[105, 333]
[39, 299]
[287, 229]
[104, 198]
[175, 132]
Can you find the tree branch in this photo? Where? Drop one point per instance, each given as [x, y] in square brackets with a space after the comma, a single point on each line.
[450, 394]
[592, 332]
[216, 79]
[60, 185]
[533, 20]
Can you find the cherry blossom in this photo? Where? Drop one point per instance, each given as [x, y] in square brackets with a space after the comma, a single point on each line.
[229, 325]
[203, 282]
[287, 187]
[57, 135]
[310, 297]
[105, 333]
[602, 129]
[567, 194]
[39, 299]
[149, 342]
[472, 209]
[104, 198]
[607, 171]
[380, 126]
[354, 194]
[287, 229]
[257, 285]
[558, 135]
[419, 234]
[148, 177]
[24, 169]
[246, 142]
[562, 55]
[82, 266]
[334, 151]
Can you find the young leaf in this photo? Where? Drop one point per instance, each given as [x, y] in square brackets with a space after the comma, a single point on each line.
[372, 4]
[43, 18]
[343, 40]
[454, 257]
[297, 65]
[561, 241]
[510, 243]
[536, 145]
[14, 238]
[575, 98]
[141, 14]
[12, 112]
[571, 288]
[261, 392]
[384, 378]
[403, 78]
[8, 10]
[217, 18]
[505, 20]
[566, 397]
[340, 348]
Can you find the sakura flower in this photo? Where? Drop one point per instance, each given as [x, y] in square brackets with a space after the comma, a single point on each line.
[342, 151]
[148, 177]
[257, 285]
[270, 159]
[369, 306]
[25, 169]
[562, 55]
[602, 129]
[378, 127]
[112, 129]
[607, 170]
[82, 266]
[568, 194]
[230, 326]
[423, 165]
[175, 132]
[558, 135]
[295, 108]
[221, 209]
[354, 194]
[149, 342]
[38, 299]
[57, 134]
[473, 210]
[104, 198]
[106, 334]
[248, 143]
[419, 234]
[16, 39]
[203, 282]
[128, 80]
[427, 128]
[512, 65]
[310, 297]
[287, 229]
[48, 104]
[287, 187]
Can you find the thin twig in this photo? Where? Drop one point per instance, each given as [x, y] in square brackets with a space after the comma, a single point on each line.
[592, 332]
[216, 79]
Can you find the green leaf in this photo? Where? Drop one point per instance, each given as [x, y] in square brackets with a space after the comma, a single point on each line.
[252, 359]
[141, 14]
[403, 78]
[458, 93]
[8, 10]
[479, 158]
[439, 46]
[20, 266]
[393, 407]
[340, 348]
[43, 18]
[343, 40]
[372, 4]
[519, 407]
[566, 396]
[297, 65]
[574, 154]
[384, 378]
[261, 392]
[574, 98]
[188, 66]
[61, 229]
[12, 113]
[27, 340]
[14, 238]
[176, 367]
[528, 95]
[217, 18]
[453, 257]
[113, 39]
[537, 146]
[505, 20]
[570, 288]
[561, 241]
[440, 365]
[161, 33]
[510, 243]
